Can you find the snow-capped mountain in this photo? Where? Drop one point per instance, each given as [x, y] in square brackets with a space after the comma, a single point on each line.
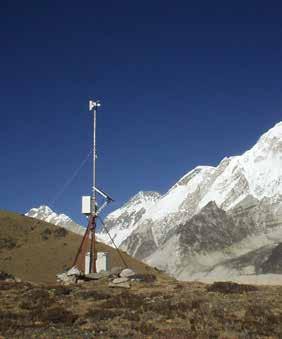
[122, 222]
[257, 173]
[245, 191]
[45, 213]
[222, 222]
[119, 223]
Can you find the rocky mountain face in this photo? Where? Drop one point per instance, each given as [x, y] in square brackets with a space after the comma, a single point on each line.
[121, 223]
[216, 222]
[273, 264]
[224, 245]
[46, 214]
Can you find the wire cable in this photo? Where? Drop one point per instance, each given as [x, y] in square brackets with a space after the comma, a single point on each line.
[112, 240]
[65, 186]
[70, 179]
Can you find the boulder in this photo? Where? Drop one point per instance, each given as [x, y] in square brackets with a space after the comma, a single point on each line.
[65, 279]
[61, 276]
[127, 273]
[70, 280]
[74, 271]
[119, 280]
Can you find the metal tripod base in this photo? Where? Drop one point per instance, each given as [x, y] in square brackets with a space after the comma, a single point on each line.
[86, 256]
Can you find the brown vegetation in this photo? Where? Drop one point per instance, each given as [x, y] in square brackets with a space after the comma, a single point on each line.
[155, 305]
[161, 309]
[36, 251]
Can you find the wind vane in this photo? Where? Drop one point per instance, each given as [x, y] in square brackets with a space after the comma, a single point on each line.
[86, 256]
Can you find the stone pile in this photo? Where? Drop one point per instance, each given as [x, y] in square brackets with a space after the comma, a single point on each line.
[122, 278]
[72, 276]
[117, 277]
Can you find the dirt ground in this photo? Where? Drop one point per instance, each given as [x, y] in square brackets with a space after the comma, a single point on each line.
[162, 309]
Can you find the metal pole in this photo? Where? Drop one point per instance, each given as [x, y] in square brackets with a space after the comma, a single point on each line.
[94, 164]
[92, 261]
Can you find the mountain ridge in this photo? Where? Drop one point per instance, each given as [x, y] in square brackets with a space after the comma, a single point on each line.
[45, 213]
[247, 188]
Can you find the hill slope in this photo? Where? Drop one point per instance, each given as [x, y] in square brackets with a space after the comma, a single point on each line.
[36, 250]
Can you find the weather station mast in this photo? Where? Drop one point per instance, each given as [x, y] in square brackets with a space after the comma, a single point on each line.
[93, 106]
[86, 256]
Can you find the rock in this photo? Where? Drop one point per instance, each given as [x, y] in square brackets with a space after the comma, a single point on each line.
[74, 271]
[70, 280]
[65, 279]
[61, 276]
[127, 273]
[119, 280]
[94, 276]
[97, 276]
[116, 270]
[122, 285]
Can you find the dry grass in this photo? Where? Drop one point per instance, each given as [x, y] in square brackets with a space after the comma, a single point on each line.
[170, 310]
[36, 251]
[157, 308]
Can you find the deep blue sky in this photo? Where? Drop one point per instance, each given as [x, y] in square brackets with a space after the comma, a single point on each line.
[182, 83]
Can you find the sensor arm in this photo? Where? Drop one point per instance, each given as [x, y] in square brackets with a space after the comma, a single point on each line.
[104, 194]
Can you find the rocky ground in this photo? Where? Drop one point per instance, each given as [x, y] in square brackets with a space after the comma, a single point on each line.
[152, 309]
